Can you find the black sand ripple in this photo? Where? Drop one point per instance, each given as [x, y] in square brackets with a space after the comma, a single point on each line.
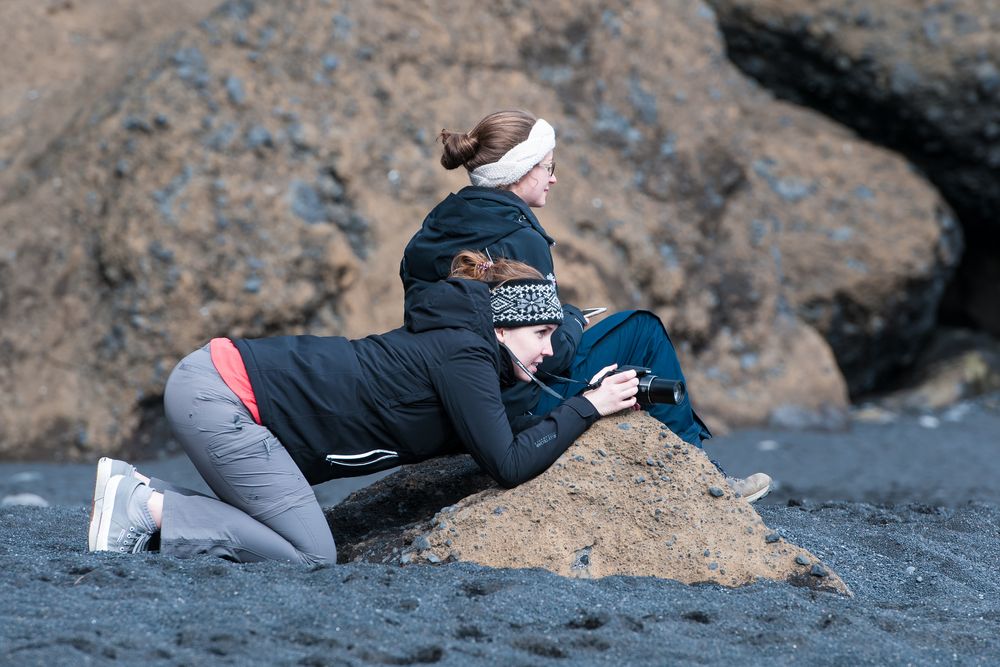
[914, 531]
[924, 578]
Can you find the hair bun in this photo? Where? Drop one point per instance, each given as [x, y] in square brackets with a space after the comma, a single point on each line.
[459, 148]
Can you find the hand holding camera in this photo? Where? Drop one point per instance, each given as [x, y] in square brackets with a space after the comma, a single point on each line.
[613, 391]
[652, 389]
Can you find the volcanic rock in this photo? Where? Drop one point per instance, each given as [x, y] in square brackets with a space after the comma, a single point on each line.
[592, 516]
[920, 78]
[260, 173]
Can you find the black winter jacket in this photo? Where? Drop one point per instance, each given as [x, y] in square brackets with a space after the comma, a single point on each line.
[498, 221]
[351, 407]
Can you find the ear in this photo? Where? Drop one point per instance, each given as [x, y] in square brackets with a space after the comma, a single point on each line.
[500, 332]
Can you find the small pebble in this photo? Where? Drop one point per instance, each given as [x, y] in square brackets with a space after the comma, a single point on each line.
[801, 560]
[624, 426]
[713, 566]
[433, 558]
[650, 461]
[640, 480]
[911, 570]
[928, 421]
[602, 452]
[817, 570]
[24, 500]
[706, 553]
[715, 492]
[771, 538]
[421, 543]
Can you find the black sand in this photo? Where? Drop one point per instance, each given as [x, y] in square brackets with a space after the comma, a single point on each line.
[907, 514]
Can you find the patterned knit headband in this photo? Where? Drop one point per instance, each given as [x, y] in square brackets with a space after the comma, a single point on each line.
[525, 302]
[519, 160]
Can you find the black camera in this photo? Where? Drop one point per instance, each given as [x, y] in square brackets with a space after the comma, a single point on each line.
[653, 389]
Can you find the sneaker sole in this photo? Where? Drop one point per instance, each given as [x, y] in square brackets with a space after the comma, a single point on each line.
[752, 498]
[103, 475]
[104, 527]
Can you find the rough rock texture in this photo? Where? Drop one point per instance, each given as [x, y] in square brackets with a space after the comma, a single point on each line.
[261, 172]
[956, 365]
[58, 58]
[629, 497]
[920, 77]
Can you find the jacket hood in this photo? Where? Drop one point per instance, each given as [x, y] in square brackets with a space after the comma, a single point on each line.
[476, 217]
[453, 304]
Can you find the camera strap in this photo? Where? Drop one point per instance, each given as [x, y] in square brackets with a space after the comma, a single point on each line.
[587, 385]
[548, 390]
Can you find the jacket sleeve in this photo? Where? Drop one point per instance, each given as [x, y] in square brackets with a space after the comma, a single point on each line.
[470, 393]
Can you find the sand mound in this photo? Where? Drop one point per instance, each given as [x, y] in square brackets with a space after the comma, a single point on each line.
[628, 498]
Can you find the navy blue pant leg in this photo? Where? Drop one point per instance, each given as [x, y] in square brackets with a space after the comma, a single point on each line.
[634, 338]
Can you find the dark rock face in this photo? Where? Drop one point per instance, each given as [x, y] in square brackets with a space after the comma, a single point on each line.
[261, 171]
[920, 78]
[375, 523]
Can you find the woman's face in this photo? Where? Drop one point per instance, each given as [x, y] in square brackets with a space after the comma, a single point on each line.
[534, 186]
[529, 344]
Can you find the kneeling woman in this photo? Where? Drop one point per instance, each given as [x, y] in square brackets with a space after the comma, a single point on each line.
[263, 420]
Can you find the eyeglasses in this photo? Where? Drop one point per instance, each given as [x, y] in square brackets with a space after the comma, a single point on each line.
[549, 167]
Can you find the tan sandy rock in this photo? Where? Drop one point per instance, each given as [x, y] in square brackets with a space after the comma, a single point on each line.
[628, 498]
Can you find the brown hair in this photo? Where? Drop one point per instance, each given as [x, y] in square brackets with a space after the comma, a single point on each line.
[488, 141]
[475, 265]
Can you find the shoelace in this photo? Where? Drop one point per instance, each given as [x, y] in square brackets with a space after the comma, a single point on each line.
[133, 540]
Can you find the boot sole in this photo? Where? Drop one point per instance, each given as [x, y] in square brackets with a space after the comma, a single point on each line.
[100, 482]
[752, 498]
[104, 527]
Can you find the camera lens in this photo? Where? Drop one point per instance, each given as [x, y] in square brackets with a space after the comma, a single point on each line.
[660, 390]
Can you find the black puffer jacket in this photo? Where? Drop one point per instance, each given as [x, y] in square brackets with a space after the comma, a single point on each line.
[497, 221]
[350, 407]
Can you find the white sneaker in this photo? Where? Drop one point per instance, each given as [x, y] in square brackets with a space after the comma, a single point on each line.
[125, 524]
[751, 488]
[106, 469]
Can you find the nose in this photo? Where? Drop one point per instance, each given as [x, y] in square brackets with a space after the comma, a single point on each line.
[547, 350]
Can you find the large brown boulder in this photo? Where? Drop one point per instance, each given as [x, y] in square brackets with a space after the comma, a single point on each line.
[628, 498]
[58, 58]
[921, 78]
[261, 172]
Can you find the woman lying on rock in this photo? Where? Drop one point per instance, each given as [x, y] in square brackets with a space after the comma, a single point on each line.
[264, 419]
[510, 159]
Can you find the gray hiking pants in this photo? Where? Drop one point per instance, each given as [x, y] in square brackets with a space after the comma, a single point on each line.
[265, 509]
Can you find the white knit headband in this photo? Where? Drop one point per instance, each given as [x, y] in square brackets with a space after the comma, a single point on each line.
[519, 160]
[525, 302]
